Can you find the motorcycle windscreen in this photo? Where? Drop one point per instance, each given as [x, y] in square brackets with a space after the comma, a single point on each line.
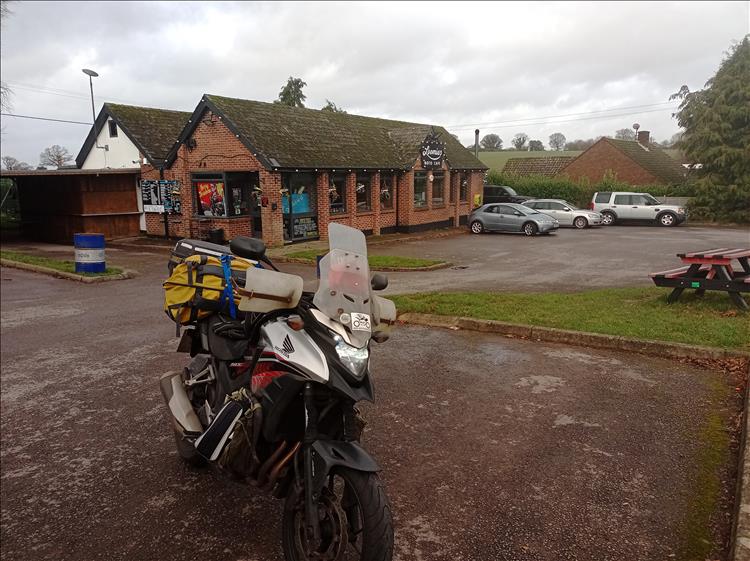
[344, 292]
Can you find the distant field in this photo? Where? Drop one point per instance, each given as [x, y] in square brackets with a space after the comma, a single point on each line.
[497, 160]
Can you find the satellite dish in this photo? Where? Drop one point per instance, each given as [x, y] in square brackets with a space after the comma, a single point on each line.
[636, 126]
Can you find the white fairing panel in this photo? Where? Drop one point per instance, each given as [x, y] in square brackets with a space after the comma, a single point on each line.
[296, 348]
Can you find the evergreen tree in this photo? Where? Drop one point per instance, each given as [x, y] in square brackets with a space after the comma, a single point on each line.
[716, 121]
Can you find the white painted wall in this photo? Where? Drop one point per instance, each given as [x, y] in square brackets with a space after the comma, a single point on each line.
[122, 152]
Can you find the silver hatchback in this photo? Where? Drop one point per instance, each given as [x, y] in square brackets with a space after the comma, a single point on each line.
[510, 217]
[566, 213]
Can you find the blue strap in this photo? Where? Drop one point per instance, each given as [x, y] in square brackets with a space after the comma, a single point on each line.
[228, 294]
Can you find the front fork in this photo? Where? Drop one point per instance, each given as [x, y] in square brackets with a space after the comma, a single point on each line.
[312, 521]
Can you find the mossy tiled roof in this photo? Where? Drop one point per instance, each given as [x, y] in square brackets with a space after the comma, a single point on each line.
[291, 137]
[153, 131]
[546, 165]
[651, 158]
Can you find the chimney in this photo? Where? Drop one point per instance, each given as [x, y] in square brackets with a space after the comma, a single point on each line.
[643, 139]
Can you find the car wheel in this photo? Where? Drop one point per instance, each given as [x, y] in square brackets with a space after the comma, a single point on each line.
[667, 219]
[476, 227]
[580, 223]
[608, 218]
[530, 229]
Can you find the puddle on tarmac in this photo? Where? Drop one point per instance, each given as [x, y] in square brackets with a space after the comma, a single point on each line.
[540, 384]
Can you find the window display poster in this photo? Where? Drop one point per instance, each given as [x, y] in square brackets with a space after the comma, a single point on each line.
[211, 198]
[169, 192]
[150, 196]
[300, 203]
[305, 227]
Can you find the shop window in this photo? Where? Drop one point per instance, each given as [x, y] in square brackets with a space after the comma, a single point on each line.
[463, 187]
[420, 189]
[438, 188]
[224, 195]
[300, 188]
[337, 193]
[241, 190]
[364, 192]
[387, 191]
[112, 128]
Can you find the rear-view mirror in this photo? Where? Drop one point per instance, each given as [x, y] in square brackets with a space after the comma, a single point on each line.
[518, 213]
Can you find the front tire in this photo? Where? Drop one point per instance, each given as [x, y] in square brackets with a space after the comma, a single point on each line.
[530, 229]
[477, 227]
[580, 223]
[608, 218]
[355, 520]
[667, 219]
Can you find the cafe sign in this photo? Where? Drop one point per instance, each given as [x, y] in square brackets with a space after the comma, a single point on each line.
[432, 152]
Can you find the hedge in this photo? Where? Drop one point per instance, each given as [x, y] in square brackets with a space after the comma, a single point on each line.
[579, 192]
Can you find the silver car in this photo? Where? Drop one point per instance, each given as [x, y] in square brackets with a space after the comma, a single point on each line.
[566, 213]
[510, 217]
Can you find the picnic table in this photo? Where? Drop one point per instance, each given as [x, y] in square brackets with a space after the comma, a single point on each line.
[709, 270]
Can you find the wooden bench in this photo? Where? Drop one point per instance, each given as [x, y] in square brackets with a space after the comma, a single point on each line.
[709, 270]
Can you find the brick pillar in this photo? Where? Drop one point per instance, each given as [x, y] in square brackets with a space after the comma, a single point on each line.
[375, 202]
[452, 195]
[272, 220]
[351, 197]
[324, 204]
[405, 194]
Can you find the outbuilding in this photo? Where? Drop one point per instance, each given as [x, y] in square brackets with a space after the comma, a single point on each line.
[284, 174]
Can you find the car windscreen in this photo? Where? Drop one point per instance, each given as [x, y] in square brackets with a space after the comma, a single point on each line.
[510, 191]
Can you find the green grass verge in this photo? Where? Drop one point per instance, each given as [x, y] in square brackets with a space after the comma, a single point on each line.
[631, 312]
[375, 261]
[56, 264]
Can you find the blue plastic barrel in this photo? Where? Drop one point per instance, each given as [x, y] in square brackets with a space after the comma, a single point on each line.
[89, 249]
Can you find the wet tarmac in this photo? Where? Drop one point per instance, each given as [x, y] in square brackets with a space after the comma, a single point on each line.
[492, 448]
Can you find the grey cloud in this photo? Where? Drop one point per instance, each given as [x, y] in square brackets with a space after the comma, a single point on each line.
[452, 64]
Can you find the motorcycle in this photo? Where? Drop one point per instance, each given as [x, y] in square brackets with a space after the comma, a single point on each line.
[270, 398]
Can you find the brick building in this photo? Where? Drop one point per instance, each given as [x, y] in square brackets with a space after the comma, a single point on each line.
[283, 174]
[635, 162]
[126, 136]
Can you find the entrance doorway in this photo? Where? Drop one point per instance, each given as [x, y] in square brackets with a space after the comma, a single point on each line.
[299, 206]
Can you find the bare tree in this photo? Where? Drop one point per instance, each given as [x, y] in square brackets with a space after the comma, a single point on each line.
[12, 164]
[557, 141]
[5, 91]
[519, 141]
[491, 142]
[55, 155]
[625, 134]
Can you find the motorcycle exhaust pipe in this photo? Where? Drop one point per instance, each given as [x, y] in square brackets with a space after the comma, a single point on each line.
[183, 416]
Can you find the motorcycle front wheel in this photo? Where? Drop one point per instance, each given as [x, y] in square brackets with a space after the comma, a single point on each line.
[355, 521]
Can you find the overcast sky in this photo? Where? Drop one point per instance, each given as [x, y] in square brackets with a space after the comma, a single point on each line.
[502, 67]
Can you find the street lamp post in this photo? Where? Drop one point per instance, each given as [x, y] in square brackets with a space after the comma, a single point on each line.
[91, 74]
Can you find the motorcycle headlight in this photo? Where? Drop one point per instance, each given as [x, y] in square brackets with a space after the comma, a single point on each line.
[353, 358]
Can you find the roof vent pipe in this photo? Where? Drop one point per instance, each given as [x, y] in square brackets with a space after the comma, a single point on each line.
[476, 143]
